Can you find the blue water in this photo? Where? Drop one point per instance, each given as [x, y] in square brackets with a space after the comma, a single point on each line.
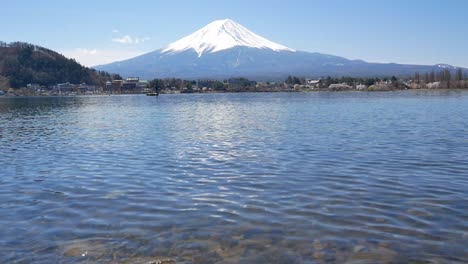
[235, 178]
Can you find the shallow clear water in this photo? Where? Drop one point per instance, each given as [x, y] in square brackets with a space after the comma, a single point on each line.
[235, 178]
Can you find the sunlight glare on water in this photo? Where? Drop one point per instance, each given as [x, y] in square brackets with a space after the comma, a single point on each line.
[235, 178]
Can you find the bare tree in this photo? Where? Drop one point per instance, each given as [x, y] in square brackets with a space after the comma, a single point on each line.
[432, 77]
[446, 77]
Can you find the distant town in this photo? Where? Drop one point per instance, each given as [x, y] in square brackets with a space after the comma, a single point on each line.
[134, 85]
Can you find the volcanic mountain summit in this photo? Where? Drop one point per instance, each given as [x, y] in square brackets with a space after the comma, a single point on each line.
[224, 49]
[222, 35]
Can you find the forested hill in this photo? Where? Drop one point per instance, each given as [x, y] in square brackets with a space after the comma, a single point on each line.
[24, 63]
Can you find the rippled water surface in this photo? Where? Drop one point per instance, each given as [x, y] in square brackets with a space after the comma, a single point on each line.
[235, 178]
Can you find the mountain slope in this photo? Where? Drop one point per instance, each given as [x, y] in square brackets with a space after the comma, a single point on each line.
[23, 63]
[225, 48]
[222, 35]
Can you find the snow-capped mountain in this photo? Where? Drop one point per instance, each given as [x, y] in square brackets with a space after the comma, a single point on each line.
[222, 35]
[446, 66]
[225, 49]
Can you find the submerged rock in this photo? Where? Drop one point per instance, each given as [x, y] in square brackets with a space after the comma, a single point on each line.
[85, 249]
[148, 260]
[317, 245]
[272, 256]
[162, 261]
[372, 255]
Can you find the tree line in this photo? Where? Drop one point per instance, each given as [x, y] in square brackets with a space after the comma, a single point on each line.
[351, 81]
[446, 78]
[188, 85]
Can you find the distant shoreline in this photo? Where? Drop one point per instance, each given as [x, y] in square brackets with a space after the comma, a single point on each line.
[243, 92]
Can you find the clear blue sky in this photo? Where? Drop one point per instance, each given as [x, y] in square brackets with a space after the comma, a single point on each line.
[403, 31]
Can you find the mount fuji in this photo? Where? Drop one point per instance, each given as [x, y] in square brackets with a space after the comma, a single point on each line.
[224, 49]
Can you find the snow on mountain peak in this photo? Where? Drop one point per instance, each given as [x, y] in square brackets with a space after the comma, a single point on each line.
[221, 35]
[445, 66]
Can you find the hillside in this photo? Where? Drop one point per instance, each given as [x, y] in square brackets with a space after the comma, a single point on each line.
[23, 63]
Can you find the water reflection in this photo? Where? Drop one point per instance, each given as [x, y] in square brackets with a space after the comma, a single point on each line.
[235, 178]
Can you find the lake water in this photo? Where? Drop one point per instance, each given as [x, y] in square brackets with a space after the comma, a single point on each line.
[320, 177]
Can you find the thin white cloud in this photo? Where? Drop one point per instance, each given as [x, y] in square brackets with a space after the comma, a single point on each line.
[141, 40]
[93, 57]
[115, 31]
[129, 40]
[87, 51]
[124, 40]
